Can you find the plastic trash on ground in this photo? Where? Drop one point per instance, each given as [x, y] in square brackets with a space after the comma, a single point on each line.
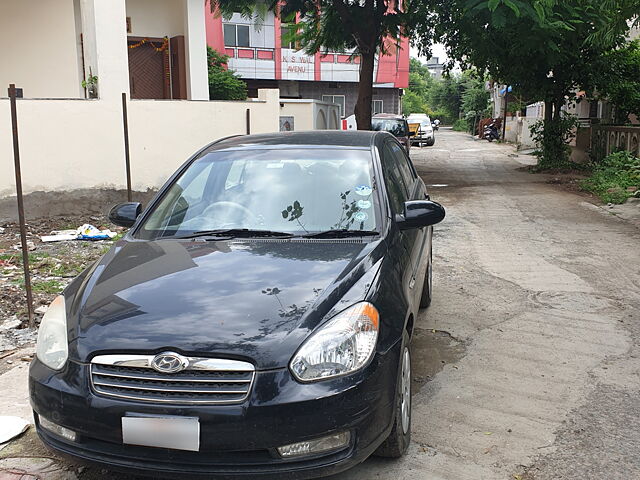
[85, 232]
[89, 232]
[11, 427]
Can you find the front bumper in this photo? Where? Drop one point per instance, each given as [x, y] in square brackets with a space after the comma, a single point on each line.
[422, 137]
[236, 441]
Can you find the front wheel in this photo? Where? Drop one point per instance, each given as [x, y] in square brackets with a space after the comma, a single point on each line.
[397, 443]
[427, 286]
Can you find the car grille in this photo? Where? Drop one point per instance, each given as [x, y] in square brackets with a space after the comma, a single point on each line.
[203, 381]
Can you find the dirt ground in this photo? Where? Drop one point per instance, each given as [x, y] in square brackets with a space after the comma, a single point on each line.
[526, 365]
[52, 266]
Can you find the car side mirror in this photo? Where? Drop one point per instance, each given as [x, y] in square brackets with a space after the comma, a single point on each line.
[125, 214]
[420, 213]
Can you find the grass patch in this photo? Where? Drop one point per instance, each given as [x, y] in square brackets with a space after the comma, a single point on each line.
[461, 125]
[48, 286]
[52, 286]
[612, 177]
[16, 258]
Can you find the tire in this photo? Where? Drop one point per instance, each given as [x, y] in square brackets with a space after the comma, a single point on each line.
[427, 287]
[397, 443]
[431, 143]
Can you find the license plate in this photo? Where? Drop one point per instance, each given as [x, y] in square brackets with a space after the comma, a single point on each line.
[178, 433]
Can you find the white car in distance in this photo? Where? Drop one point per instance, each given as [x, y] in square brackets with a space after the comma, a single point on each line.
[425, 133]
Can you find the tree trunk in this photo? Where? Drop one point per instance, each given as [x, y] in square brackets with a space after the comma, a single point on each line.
[559, 103]
[548, 110]
[365, 90]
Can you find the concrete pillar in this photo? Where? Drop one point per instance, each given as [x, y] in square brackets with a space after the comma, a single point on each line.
[196, 49]
[104, 34]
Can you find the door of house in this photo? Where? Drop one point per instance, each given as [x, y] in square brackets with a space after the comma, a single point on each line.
[147, 67]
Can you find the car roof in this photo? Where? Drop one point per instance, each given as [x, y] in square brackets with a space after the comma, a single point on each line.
[391, 116]
[353, 139]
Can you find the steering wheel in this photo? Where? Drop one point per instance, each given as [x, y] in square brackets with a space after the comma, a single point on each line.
[210, 210]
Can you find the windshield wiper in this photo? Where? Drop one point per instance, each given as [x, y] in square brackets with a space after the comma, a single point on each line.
[342, 233]
[234, 232]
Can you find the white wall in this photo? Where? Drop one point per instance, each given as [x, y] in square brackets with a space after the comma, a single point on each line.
[196, 46]
[108, 29]
[307, 114]
[253, 67]
[156, 18]
[69, 144]
[39, 51]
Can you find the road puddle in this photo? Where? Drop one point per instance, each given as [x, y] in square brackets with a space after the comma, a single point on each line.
[431, 351]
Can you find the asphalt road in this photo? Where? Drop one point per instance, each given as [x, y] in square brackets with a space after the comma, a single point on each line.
[527, 364]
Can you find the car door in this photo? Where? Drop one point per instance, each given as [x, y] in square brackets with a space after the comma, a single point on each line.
[403, 240]
[419, 239]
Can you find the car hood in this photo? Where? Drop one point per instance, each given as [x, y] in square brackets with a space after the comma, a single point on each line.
[238, 299]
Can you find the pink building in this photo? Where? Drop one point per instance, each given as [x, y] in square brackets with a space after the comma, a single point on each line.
[257, 53]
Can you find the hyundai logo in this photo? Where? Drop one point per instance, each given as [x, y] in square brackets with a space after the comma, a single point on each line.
[169, 362]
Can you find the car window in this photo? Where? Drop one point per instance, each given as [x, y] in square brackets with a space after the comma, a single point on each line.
[396, 189]
[395, 127]
[422, 120]
[290, 190]
[405, 169]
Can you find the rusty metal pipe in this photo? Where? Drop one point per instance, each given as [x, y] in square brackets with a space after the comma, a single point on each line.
[127, 159]
[23, 225]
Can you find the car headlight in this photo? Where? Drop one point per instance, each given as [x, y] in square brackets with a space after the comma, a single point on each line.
[52, 348]
[341, 346]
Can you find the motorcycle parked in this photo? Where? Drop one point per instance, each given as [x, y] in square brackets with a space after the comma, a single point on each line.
[491, 132]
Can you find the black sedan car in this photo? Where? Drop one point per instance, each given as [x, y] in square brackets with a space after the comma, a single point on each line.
[255, 321]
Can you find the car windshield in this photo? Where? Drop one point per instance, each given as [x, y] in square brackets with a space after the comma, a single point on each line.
[297, 191]
[393, 126]
[423, 121]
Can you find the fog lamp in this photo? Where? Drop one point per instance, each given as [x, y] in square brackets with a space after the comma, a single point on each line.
[334, 441]
[57, 429]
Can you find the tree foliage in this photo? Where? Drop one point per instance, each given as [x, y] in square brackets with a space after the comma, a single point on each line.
[542, 48]
[619, 80]
[446, 98]
[223, 83]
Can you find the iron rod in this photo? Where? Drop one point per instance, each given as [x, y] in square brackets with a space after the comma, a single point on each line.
[248, 121]
[23, 226]
[127, 158]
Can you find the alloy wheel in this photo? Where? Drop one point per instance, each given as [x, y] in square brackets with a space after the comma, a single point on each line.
[405, 386]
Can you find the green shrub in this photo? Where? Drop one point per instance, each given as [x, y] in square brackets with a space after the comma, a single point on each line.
[552, 138]
[223, 83]
[612, 176]
[461, 125]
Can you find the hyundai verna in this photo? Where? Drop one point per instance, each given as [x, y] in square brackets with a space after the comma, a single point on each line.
[254, 322]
